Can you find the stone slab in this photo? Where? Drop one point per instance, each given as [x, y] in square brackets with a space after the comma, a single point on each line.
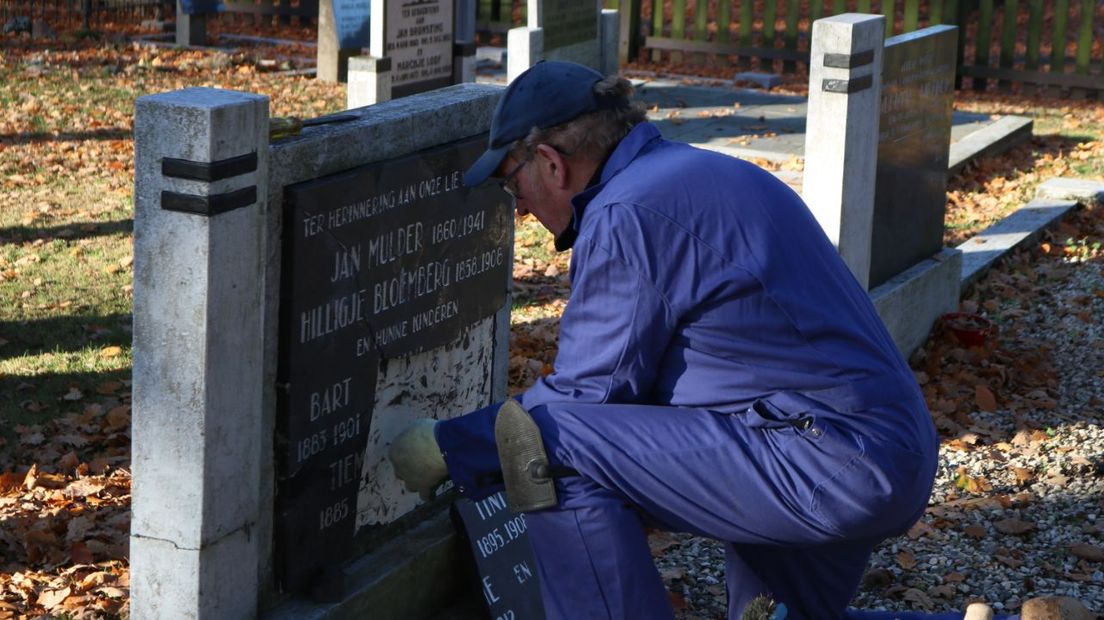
[989, 138]
[1085, 191]
[753, 124]
[763, 80]
[1023, 226]
[379, 583]
[910, 302]
[917, 106]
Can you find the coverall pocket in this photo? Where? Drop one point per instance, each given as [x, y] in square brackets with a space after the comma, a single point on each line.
[874, 493]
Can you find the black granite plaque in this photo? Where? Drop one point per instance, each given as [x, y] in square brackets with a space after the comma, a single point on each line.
[380, 262]
[567, 22]
[504, 559]
[910, 195]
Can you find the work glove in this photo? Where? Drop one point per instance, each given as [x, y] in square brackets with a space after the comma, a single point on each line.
[417, 460]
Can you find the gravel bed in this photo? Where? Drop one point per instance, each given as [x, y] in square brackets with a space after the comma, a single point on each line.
[1018, 505]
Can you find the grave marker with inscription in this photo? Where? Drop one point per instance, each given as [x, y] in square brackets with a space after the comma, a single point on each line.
[418, 39]
[297, 304]
[382, 261]
[414, 49]
[506, 567]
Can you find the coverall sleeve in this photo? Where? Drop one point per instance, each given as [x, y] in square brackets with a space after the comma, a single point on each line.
[613, 335]
[617, 324]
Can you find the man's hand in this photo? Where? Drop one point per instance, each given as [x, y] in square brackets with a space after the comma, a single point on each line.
[417, 460]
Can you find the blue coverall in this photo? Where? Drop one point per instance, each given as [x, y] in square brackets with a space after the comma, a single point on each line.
[720, 372]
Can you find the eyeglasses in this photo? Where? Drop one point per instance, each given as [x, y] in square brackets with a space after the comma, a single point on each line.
[504, 183]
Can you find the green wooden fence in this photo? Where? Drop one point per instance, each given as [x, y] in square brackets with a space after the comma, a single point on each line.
[1039, 42]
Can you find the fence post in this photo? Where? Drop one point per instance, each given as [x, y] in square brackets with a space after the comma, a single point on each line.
[630, 31]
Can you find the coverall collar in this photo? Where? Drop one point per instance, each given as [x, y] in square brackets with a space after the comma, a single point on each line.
[639, 139]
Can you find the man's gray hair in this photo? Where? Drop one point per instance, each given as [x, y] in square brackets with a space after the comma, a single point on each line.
[592, 135]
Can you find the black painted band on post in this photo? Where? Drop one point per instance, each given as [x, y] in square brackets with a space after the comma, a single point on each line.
[848, 87]
[849, 61]
[209, 205]
[208, 171]
[463, 48]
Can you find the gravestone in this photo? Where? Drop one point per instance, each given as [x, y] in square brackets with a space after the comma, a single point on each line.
[570, 30]
[506, 567]
[383, 261]
[416, 46]
[297, 304]
[914, 134]
[418, 37]
[876, 150]
[343, 30]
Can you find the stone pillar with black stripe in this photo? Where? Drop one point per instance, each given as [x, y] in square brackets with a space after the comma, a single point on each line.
[201, 159]
[841, 137]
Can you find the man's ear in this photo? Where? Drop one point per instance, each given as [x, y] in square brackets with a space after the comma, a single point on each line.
[553, 164]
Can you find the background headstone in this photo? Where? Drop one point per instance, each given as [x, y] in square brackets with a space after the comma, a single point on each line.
[191, 20]
[413, 47]
[418, 37]
[570, 30]
[910, 196]
[343, 30]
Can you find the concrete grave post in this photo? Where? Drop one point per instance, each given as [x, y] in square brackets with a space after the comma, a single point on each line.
[370, 76]
[201, 157]
[525, 44]
[369, 81]
[463, 57]
[841, 139]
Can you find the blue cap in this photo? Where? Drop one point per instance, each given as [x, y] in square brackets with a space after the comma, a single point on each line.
[547, 94]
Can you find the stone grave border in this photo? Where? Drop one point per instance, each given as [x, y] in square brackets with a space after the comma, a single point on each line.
[208, 210]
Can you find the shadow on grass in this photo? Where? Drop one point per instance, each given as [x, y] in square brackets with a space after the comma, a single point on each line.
[107, 133]
[38, 399]
[63, 334]
[76, 230]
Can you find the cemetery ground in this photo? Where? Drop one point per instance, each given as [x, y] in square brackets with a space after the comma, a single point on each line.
[1017, 509]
